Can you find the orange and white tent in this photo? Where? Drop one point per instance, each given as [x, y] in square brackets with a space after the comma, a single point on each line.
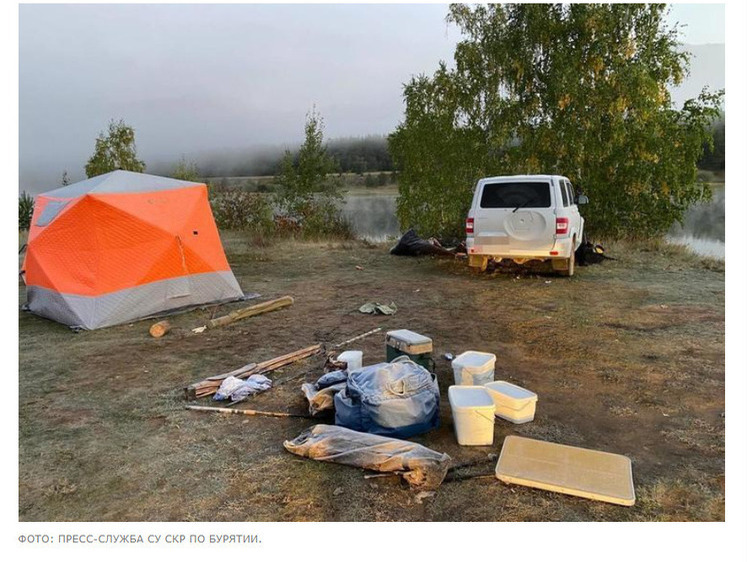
[123, 246]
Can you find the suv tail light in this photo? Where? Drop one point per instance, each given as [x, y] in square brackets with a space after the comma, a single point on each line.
[470, 226]
[561, 225]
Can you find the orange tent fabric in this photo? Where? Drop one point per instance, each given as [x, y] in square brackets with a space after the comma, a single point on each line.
[123, 246]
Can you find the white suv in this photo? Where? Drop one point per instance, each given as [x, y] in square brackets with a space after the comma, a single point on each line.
[525, 218]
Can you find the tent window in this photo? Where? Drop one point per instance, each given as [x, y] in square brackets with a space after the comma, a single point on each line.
[50, 212]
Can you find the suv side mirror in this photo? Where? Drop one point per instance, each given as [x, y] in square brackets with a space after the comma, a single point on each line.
[582, 199]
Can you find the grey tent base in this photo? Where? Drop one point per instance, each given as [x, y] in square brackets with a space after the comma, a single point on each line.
[175, 311]
[151, 300]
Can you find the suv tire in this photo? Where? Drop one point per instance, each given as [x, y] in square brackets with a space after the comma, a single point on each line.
[571, 262]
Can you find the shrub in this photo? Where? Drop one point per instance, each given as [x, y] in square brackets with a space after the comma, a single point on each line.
[115, 151]
[324, 219]
[25, 210]
[237, 209]
[186, 170]
[309, 194]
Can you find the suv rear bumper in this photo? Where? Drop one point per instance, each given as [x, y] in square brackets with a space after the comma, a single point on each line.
[562, 248]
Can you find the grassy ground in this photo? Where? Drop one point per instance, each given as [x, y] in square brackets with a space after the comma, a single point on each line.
[627, 357]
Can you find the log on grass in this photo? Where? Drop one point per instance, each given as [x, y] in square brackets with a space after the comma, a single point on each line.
[160, 329]
[210, 385]
[249, 311]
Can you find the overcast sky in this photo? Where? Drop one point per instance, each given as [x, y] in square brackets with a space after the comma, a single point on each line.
[192, 78]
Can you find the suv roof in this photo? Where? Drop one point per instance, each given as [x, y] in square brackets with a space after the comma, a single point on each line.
[523, 177]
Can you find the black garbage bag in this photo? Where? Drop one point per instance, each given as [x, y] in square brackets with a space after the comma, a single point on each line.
[589, 253]
[412, 245]
[421, 467]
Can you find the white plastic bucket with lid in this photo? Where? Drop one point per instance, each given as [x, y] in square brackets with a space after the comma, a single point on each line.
[512, 402]
[473, 411]
[353, 358]
[473, 368]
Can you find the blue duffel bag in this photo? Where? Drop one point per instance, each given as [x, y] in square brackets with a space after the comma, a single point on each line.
[397, 399]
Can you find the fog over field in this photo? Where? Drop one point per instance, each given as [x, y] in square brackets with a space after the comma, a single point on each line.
[235, 81]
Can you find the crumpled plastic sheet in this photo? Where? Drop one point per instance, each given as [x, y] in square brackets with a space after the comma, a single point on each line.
[421, 467]
[321, 394]
[321, 400]
[238, 389]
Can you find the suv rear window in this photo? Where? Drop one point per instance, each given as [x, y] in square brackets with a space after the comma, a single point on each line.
[510, 195]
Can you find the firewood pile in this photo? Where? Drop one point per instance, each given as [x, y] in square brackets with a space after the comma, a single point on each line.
[210, 385]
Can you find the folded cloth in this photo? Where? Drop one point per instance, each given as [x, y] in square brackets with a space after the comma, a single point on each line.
[237, 389]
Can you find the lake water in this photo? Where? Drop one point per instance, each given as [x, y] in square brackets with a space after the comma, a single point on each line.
[373, 217]
[373, 214]
[703, 230]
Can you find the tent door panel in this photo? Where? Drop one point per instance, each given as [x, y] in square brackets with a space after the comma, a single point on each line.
[181, 286]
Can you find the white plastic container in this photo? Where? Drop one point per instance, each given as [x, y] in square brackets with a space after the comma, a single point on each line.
[474, 368]
[353, 358]
[512, 402]
[473, 411]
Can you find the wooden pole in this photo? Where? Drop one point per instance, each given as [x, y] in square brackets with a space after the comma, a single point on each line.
[249, 311]
[246, 412]
[356, 338]
[160, 329]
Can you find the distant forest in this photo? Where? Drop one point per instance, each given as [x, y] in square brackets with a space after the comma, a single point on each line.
[359, 155]
[353, 155]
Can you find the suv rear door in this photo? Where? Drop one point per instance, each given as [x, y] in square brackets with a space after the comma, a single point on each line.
[517, 214]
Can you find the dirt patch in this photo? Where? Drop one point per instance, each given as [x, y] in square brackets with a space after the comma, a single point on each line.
[627, 357]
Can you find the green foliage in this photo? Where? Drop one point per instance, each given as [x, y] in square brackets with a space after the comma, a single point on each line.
[186, 170]
[25, 210]
[579, 90]
[714, 156]
[323, 219]
[237, 209]
[307, 190]
[115, 151]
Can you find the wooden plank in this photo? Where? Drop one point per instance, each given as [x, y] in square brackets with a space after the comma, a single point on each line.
[234, 373]
[209, 386]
